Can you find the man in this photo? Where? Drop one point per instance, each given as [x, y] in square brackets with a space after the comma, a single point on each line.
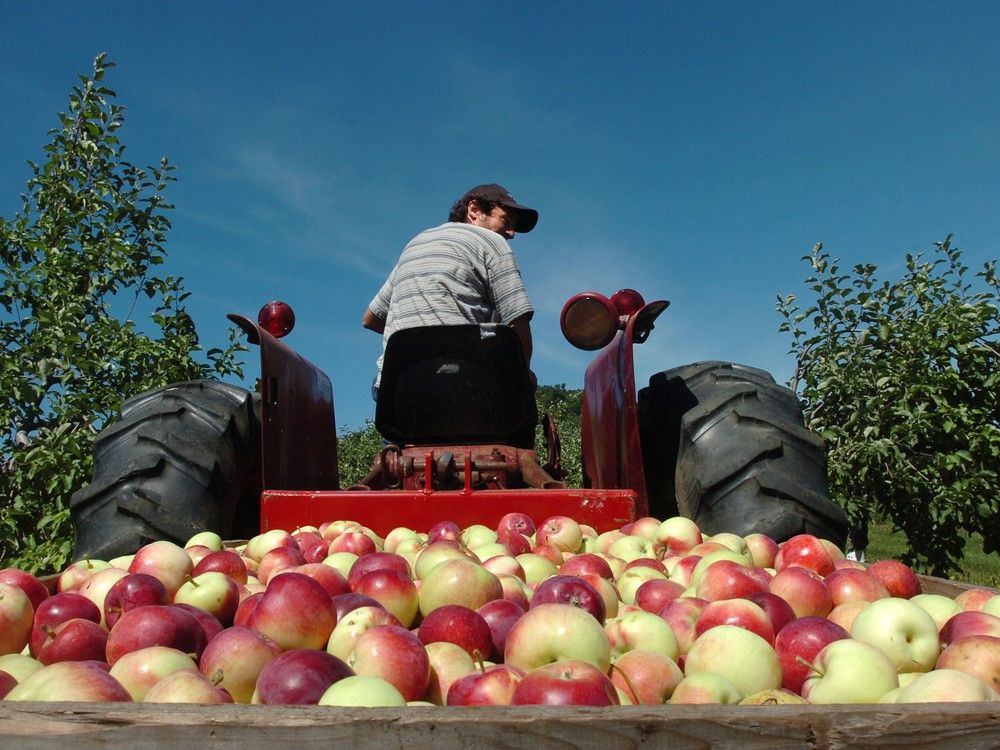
[461, 272]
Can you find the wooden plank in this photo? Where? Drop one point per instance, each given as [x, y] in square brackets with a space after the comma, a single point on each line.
[47, 725]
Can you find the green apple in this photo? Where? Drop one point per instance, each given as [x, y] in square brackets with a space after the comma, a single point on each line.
[849, 671]
[362, 690]
[746, 659]
[904, 631]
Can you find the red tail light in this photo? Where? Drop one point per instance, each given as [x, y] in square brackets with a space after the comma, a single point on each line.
[627, 301]
[276, 318]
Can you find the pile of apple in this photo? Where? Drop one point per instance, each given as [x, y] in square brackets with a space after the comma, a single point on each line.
[652, 613]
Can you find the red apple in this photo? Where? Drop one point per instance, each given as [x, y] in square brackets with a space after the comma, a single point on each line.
[514, 523]
[278, 560]
[491, 686]
[295, 612]
[130, 591]
[163, 560]
[344, 603]
[187, 687]
[155, 625]
[806, 551]
[803, 638]
[586, 562]
[394, 654]
[377, 561]
[298, 677]
[57, 609]
[139, 670]
[7, 683]
[448, 662]
[16, 618]
[899, 579]
[444, 530]
[356, 542]
[742, 613]
[681, 615]
[77, 639]
[565, 683]
[969, 623]
[978, 655]
[235, 658]
[393, 589]
[223, 561]
[726, 579]
[28, 583]
[327, 576]
[500, 615]
[70, 681]
[973, 599]
[460, 625]
[352, 625]
[646, 677]
[804, 590]
[847, 585]
[246, 607]
[571, 590]
[655, 594]
[778, 611]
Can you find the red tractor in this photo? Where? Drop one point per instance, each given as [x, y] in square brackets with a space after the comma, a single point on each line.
[720, 443]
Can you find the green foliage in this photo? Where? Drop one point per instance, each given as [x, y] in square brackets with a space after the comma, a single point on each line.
[357, 449]
[900, 379]
[78, 262]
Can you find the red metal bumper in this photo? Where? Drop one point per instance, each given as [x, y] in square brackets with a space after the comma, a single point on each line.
[384, 510]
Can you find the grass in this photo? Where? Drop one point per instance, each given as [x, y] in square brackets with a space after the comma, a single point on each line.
[977, 566]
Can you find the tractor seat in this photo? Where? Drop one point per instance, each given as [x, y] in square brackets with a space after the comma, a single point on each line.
[456, 385]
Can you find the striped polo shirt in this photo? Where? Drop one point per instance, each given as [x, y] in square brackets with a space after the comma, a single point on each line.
[453, 274]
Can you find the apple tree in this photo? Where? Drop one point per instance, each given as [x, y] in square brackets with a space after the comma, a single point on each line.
[85, 319]
[900, 378]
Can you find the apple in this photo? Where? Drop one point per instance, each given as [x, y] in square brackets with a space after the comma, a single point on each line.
[586, 562]
[556, 632]
[20, 666]
[504, 564]
[444, 530]
[641, 630]
[572, 590]
[631, 547]
[279, 560]
[208, 539]
[565, 683]
[130, 591]
[7, 683]
[850, 671]
[490, 686]
[683, 570]
[561, 532]
[312, 545]
[712, 557]
[436, 553]
[746, 659]
[235, 658]
[208, 622]
[804, 591]
[222, 561]
[778, 611]
[155, 625]
[73, 576]
[946, 686]
[165, 561]
[448, 662]
[363, 691]
[677, 535]
[139, 670]
[213, 592]
[57, 609]
[847, 585]
[970, 622]
[393, 589]
[515, 523]
[742, 613]
[342, 562]
[979, 655]
[655, 594]
[298, 677]
[805, 551]
[376, 561]
[646, 677]
[608, 593]
[605, 539]
[394, 654]
[797, 645]
[500, 616]
[845, 614]
[29, 584]
[900, 580]
[941, 608]
[515, 590]
[196, 553]
[517, 544]
[326, 576]
[352, 625]
[459, 625]
[97, 586]
[726, 579]
[247, 606]
[763, 549]
[551, 553]
[187, 686]
[902, 630]
[703, 688]
[975, 598]
[77, 639]
[992, 606]
[478, 535]
[631, 579]
[536, 567]
[681, 615]
[261, 544]
[356, 542]
[70, 681]
[396, 536]
[295, 612]
[457, 581]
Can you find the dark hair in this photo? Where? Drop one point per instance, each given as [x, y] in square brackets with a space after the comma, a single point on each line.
[460, 211]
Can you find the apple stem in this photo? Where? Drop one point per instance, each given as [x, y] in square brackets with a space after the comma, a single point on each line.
[478, 658]
[217, 676]
[802, 660]
[628, 682]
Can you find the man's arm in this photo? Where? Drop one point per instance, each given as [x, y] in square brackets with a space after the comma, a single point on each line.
[522, 327]
[373, 322]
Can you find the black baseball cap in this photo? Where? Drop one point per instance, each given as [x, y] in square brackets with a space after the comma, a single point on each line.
[526, 217]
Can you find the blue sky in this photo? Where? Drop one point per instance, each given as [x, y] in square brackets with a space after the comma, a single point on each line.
[693, 151]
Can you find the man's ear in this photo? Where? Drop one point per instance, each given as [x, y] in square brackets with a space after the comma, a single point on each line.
[473, 211]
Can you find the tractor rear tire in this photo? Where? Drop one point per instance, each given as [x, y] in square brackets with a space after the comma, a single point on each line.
[726, 446]
[183, 458]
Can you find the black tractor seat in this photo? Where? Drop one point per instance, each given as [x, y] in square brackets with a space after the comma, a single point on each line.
[456, 385]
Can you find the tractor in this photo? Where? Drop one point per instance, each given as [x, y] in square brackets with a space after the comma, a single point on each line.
[720, 443]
